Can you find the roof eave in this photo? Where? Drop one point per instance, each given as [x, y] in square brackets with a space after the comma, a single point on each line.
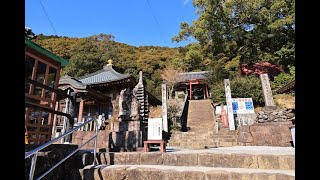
[40, 49]
[96, 83]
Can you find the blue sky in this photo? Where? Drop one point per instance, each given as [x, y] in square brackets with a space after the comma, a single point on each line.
[131, 21]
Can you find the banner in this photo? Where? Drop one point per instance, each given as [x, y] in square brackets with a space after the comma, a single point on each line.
[242, 106]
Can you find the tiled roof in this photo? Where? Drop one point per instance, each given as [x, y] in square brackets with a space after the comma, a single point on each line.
[107, 74]
[194, 75]
[65, 80]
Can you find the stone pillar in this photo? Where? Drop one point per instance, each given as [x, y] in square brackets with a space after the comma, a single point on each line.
[164, 107]
[229, 104]
[71, 110]
[267, 93]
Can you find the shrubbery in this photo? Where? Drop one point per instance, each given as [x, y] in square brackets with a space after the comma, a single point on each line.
[241, 87]
[283, 78]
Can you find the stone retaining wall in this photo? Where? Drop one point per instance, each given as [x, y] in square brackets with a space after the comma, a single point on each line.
[265, 134]
[79, 137]
[119, 141]
[278, 115]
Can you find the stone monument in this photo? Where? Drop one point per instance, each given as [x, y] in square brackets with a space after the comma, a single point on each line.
[267, 93]
[130, 110]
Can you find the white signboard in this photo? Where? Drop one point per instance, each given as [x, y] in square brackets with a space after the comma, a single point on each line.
[155, 129]
[229, 104]
[242, 106]
[164, 107]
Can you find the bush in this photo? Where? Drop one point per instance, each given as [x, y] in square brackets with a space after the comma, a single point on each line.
[241, 87]
[173, 109]
[282, 79]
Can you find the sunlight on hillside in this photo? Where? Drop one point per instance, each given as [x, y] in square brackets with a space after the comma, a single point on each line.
[285, 100]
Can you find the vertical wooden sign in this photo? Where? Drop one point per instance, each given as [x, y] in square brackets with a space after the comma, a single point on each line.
[164, 107]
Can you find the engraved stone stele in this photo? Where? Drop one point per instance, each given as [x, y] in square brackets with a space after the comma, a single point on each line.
[266, 89]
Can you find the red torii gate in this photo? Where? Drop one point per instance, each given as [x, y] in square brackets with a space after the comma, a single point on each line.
[197, 81]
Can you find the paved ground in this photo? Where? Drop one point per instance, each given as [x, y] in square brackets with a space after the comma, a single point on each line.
[204, 169]
[239, 150]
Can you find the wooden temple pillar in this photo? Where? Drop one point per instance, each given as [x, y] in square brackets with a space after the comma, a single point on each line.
[190, 83]
[54, 123]
[80, 110]
[207, 91]
[204, 91]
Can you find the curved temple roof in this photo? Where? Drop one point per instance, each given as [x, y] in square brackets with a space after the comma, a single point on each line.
[194, 75]
[69, 82]
[107, 74]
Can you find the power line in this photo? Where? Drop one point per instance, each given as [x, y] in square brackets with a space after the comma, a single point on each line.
[48, 18]
[154, 17]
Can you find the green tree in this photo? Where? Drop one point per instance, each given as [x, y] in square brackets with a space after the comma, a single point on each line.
[241, 87]
[283, 78]
[250, 31]
[171, 77]
[86, 58]
[60, 46]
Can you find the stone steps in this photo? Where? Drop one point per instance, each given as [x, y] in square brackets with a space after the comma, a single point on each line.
[200, 123]
[213, 157]
[154, 172]
[208, 139]
[201, 130]
[214, 163]
[208, 135]
[203, 145]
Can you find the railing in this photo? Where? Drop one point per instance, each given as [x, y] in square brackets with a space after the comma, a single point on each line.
[34, 152]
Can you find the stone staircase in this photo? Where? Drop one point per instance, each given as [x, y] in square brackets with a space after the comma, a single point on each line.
[232, 163]
[201, 133]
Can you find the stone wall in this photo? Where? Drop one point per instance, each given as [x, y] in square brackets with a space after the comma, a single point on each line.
[270, 128]
[278, 115]
[125, 126]
[125, 141]
[79, 137]
[265, 134]
[119, 141]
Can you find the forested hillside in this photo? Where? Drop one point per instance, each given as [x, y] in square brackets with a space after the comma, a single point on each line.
[91, 54]
[228, 34]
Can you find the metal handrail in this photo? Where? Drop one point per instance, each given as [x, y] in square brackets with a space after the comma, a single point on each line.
[35, 151]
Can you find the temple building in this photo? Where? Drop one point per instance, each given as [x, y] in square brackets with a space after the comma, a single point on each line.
[122, 101]
[42, 73]
[193, 84]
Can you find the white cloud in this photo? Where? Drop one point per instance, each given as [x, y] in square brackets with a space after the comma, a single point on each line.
[185, 2]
